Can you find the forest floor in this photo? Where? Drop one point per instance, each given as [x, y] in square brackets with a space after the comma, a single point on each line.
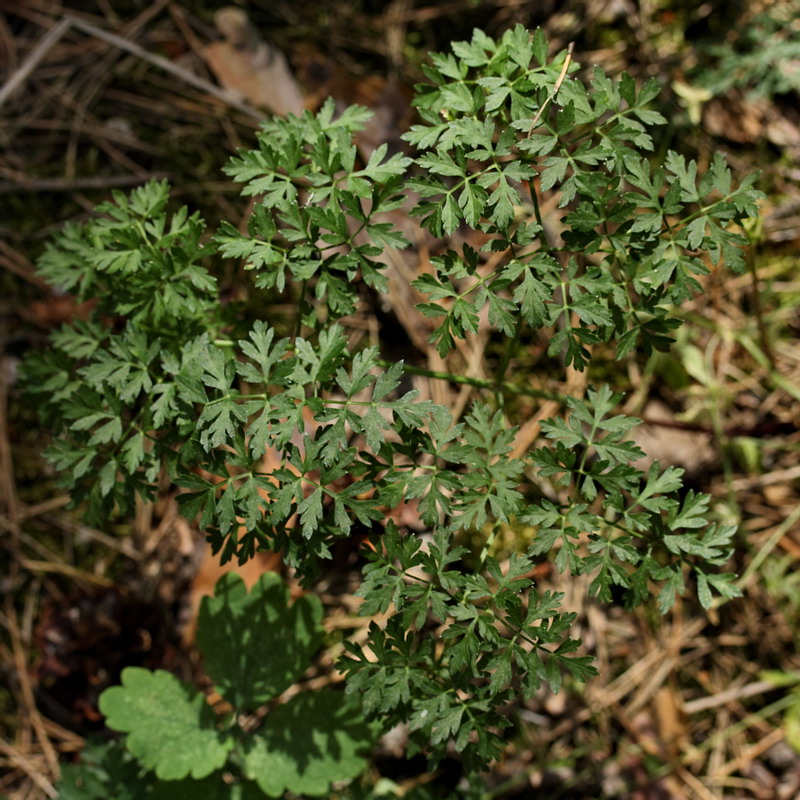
[105, 95]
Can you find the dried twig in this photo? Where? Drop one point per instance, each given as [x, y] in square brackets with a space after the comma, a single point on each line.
[737, 693]
[26, 694]
[32, 770]
[69, 21]
[77, 184]
[32, 61]
[168, 66]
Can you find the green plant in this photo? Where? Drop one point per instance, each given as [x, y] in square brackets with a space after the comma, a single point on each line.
[255, 645]
[761, 55]
[163, 376]
[791, 717]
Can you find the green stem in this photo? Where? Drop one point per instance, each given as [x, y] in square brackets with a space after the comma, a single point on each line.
[759, 312]
[762, 359]
[480, 383]
[298, 326]
[764, 550]
[508, 352]
[536, 210]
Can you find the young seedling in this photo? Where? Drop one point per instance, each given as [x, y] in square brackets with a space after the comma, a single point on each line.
[255, 645]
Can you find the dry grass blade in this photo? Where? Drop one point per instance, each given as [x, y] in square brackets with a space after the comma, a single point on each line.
[749, 690]
[34, 59]
[32, 769]
[77, 184]
[27, 702]
[16, 262]
[562, 75]
[68, 21]
[168, 66]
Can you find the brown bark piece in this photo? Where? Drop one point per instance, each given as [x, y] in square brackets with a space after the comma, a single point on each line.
[244, 63]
